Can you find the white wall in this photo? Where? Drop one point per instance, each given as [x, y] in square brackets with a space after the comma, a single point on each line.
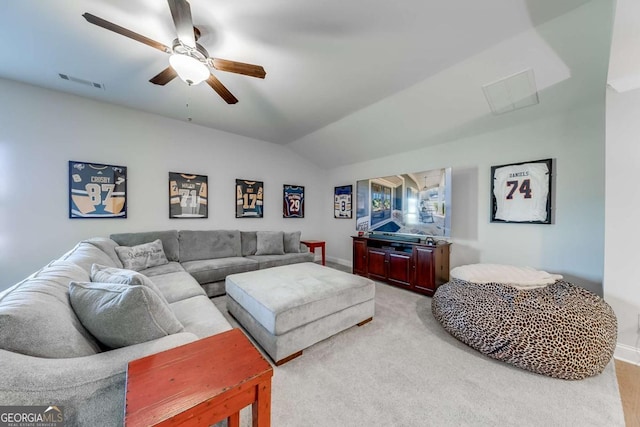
[572, 246]
[41, 130]
[622, 230]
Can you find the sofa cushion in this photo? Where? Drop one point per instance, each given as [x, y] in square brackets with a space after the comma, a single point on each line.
[268, 261]
[169, 241]
[213, 270]
[292, 242]
[142, 256]
[107, 246]
[36, 318]
[178, 286]
[122, 315]
[101, 273]
[270, 243]
[209, 244]
[249, 242]
[159, 270]
[85, 255]
[200, 316]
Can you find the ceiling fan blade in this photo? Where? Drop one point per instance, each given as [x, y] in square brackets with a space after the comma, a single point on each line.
[164, 76]
[221, 89]
[239, 68]
[123, 31]
[181, 13]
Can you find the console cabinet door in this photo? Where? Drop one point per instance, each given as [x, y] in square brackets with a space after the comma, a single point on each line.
[400, 269]
[377, 263]
[360, 257]
[424, 280]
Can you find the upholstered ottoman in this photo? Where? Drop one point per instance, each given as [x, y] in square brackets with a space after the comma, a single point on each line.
[560, 330]
[289, 308]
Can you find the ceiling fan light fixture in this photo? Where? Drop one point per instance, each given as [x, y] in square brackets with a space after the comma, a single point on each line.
[189, 69]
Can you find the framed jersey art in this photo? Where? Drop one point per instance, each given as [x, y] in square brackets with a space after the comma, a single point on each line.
[521, 192]
[249, 198]
[342, 201]
[188, 195]
[293, 201]
[97, 190]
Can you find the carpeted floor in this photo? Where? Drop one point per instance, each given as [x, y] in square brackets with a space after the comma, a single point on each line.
[403, 369]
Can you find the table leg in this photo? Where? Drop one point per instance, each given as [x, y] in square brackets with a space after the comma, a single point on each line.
[234, 420]
[261, 408]
[322, 247]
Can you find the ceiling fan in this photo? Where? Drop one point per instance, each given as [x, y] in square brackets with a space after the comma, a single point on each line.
[189, 60]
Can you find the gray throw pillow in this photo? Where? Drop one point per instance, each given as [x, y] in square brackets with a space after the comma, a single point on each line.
[122, 315]
[104, 274]
[143, 256]
[270, 243]
[249, 243]
[292, 242]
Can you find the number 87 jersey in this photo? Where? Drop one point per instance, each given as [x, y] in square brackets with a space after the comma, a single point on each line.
[521, 192]
[97, 190]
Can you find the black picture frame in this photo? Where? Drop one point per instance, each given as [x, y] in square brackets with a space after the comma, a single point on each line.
[292, 201]
[188, 196]
[343, 202]
[249, 198]
[97, 190]
[522, 193]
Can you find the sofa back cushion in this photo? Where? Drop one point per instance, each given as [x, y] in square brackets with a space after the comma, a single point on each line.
[169, 241]
[292, 242]
[249, 241]
[107, 246]
[85, 255]
[36, 317]
[209, 244]
[270, 243]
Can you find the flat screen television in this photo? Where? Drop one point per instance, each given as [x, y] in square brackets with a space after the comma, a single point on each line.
[417, 203]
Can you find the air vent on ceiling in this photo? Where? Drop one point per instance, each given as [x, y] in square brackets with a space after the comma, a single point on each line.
[511, 93]
[81, 81]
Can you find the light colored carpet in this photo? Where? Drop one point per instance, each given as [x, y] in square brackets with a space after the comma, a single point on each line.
[404, 369]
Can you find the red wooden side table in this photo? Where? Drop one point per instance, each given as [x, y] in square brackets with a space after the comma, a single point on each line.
[199, 384]
[313, 244]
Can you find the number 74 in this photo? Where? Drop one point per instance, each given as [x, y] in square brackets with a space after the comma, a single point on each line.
[525, 188]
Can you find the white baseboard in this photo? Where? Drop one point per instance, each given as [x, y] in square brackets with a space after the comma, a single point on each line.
[628, 354]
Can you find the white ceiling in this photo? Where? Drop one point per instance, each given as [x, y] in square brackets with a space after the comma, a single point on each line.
[326, 60]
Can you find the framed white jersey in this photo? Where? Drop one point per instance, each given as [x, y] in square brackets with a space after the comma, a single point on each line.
[188, 195]
[521, 192]
[97, 190]
[293, 201]
[342, 201]
[249, 198]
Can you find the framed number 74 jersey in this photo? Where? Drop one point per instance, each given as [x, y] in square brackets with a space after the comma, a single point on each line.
[97, 190]
[521, 192]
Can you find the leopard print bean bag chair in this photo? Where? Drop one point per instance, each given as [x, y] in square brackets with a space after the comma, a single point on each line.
[560, 330]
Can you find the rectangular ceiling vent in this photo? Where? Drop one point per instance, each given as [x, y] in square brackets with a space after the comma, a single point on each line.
[511, 93]
[81, 81]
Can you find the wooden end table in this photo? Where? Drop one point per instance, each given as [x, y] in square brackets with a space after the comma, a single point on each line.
[313, 244]
[199, 384]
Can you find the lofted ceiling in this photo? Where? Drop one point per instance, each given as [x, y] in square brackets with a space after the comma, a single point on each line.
[329, 63]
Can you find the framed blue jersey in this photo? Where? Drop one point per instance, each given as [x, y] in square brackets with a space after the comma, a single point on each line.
[97, 190]
[249, 198]
[293, 201]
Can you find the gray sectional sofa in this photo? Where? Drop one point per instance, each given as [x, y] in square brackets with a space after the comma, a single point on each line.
[49, 357]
